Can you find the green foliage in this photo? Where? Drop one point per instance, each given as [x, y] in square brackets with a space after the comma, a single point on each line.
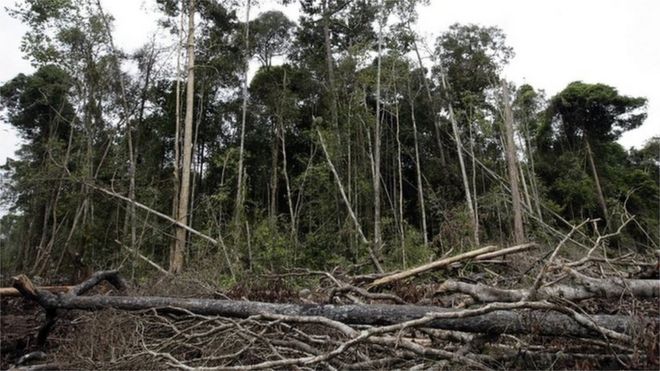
[472, 58]
[70, 114]
[583, 118]
[272, 250]
[594, 111]
[270, 36]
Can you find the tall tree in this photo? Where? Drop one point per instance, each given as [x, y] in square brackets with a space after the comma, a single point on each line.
[471, 58]
[176, 264]
[240, 191]
[512, 166]
[589, 116]
[378, 239]
[527, 111]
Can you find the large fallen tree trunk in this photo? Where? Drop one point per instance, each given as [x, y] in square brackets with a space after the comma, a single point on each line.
[582, 288]
[539, 318]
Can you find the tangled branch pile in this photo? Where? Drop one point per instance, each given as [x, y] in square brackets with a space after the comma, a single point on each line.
[595, 312]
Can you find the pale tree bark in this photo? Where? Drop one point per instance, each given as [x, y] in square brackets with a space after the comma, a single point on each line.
[599, 190]
[363, 238]
[130, 221]
[274, 176]
[532, 171]
[461, 162]
[285, 172]
[474, 175]
[241, 152]
[330, 64]
[177, 132]
[196, 163]
[436, 123]
[176, 264]
[402, 232]
[376, 177]
[523, 180]
[512, 165]
[418, 168]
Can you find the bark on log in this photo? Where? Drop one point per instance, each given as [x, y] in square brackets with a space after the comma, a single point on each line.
[540, 322]
[584, 288]
[12, 292]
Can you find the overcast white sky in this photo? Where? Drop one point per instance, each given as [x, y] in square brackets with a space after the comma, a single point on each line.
[556, 41]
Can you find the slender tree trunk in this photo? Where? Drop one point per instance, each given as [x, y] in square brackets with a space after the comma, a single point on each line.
[239, 189]
[436, 123]
[196, 163]
[477, 226]
[130, 222]
[512, 165]
[275, 150]
[177, 133]
[418, 170]
[525, 187]
[599, 190]
[402, 235]
[376, 178]
[330, 64]
[532, 172]
[285, 172]
[363, 238]
[176, 264]
[461, 162]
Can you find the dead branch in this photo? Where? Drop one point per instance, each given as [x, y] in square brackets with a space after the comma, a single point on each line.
[431, 266]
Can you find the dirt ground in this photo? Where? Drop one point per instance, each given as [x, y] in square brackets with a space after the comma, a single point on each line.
[19, 322]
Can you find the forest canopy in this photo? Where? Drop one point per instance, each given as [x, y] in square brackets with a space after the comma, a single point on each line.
[354, 143]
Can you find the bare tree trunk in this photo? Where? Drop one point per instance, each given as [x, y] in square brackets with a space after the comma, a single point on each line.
[402, 235]
[532, 172]
[523, 180]
[274, 176]
[177, 133]
[418, 170]
[436, 123]
[176, 264]
[285, 172]
[474, 177]
[130, 217]
[461, 162]
[518, 229]
[196, 164]
[599, 190]
[376, 178]
[363, 238]
[239, 188]
[330, 64]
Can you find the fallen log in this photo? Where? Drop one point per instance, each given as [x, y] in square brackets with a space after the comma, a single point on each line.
[584, 287]
[12, 292]
[538, 321]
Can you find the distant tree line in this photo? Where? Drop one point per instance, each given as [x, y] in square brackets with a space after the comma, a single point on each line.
[354, 143]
